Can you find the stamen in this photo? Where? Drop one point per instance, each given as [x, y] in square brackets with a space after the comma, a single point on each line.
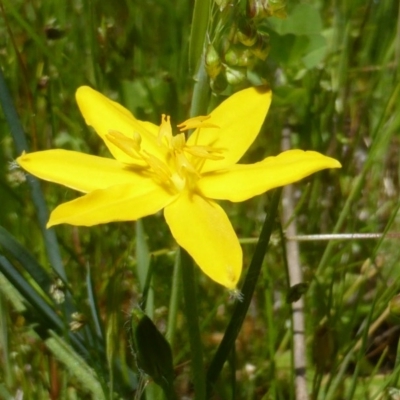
[178, 181]
[165, 130]
[183, 163]
[178, 142]
[204, 152]
[196, 122]
[137, 138]
[130, 146]
[158, 167]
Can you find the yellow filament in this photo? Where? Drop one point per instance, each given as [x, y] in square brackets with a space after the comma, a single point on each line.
[204, 152]
[196, 122]
[178, 170]
[130, 146]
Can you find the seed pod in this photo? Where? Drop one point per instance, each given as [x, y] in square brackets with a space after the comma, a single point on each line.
[212, 62]
[54, 33]
[239, 57]
[262, 47]
[246, 33]
[219, 84]
[296, 291]
[323, 349]
[153, 352]
[394, 305]
[259, 9]
[234, 76]
[278, 8]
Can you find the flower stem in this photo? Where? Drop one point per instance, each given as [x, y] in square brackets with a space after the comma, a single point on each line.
[174, 300]
[249, 285]
[192, 319]
[201, 92]
[199, 105]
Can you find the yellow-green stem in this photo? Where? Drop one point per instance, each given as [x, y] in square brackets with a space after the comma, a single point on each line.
[192, 321]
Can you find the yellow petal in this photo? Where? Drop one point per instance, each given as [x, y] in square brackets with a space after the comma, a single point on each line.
[241, 182]
[117, 203]
[79, 171]
[203, 229]
[239, 118]
[105, 115]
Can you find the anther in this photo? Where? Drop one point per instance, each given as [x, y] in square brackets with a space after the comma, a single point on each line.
[196, 122]
[165, 130]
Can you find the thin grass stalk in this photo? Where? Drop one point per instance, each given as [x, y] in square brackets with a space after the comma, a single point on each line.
[200, 22]
[76, 365]
[242, 306]
[21, 145]
[272, 352]
[174, 300]
[192, 319]
[199, 106]
[361, 352]
[394, 379]
[143, 268]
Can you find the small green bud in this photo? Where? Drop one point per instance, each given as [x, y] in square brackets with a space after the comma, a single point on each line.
[259, 9]
[278, 8]
[323, 348]
[239, 57]
[235, 76]
[246, 33]
[219, 84]
[394, 305]
[78, 320]
[296, 291]
[212, 62]
[262, 47]
[153, 352]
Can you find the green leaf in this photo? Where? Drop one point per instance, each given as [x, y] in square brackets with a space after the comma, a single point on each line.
[296, 291]
[153, 352]
[26, 259]
[303, 20]
[21, 145]
[75, 365]
[201, 14]
[315, 52]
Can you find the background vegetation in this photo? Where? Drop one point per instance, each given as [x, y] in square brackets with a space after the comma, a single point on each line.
[334, 68]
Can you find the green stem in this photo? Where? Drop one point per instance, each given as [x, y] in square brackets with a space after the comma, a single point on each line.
[174, 301]
[192, 319]
[249, 285]
[200, 20]
[199, 105]
[201, 92]
[198, 39]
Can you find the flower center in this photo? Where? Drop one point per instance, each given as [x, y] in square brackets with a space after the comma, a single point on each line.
[182, 164]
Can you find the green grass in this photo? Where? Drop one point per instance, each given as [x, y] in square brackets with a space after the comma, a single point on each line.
[334, 68]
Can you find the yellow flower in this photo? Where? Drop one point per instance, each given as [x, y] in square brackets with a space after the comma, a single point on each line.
[155, 170]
